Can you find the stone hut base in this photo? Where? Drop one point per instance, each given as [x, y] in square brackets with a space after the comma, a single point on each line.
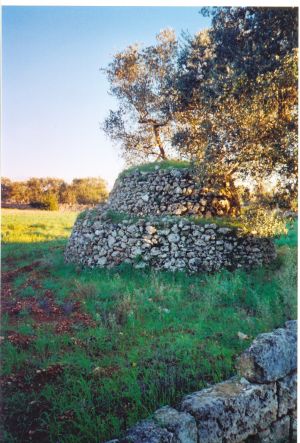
[167, 243]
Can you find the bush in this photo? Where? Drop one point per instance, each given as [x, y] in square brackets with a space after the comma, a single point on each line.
[263, 222]
[49, 202]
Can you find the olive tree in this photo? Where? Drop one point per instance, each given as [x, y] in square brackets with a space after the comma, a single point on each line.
[142, 81]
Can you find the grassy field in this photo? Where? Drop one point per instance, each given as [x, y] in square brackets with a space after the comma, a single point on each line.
[87, 353]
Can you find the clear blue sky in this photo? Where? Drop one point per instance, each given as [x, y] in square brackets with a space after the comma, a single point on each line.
[55, 97]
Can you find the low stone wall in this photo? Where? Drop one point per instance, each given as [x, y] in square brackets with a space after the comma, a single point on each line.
[170, 243]
[257, 406]
[168, 191]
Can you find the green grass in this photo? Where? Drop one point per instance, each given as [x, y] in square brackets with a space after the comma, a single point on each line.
[119, 217]
[149, 167]
[156, 336]
[33, 226]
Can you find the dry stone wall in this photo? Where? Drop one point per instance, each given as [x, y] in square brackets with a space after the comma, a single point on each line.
[170, 243]
[257, 406]
[156, 228]
[168, 191]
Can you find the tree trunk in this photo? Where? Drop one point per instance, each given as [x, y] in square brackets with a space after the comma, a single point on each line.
[235, 198]
[162, 153]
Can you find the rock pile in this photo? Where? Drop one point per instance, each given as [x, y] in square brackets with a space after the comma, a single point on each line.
[259, 409]
[168, 191]
[168, 244]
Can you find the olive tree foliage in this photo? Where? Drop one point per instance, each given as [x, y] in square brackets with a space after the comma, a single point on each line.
[142, 81]
[238, 94]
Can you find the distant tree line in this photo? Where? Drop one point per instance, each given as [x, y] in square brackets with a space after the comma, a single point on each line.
[225, 98]
[49, 193]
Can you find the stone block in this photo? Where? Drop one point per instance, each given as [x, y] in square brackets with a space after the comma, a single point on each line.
[182, 425]
[232, 410]
[287, 394]
[279, 432]
[147, 431]
[294, 426]
[291, 324]
[270, 357]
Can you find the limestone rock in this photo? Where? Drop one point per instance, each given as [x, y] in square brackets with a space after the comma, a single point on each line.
[111, 241]
[147, 431]
[232, 410]
[151, 230]
[291, 324]
[145, 197]
[102, 261]
[287, 394]
[279, 432]
[224, 230]
[270, 357]
[173, 238]
[136, 251]
[294, 426]
[181, 424]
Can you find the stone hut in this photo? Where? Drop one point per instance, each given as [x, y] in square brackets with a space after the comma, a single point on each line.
[162, 218]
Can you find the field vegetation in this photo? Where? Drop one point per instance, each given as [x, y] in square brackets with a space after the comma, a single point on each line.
[87, 353]
[49, 193]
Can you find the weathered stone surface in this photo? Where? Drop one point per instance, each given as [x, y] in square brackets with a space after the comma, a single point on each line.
[173, 238]
[270, 357]
[287, 394]
[181, 424]
[279, 432]
[291, 324]
[147, 431]
[111, 240]
[145, 197]
[232, 410]
[150, 229]
[169, 191]
[171, 243]
[294, 426]
[102, 261]
[168, 242]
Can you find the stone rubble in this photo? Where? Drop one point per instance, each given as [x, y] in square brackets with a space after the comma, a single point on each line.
[168, 191]
[167, 244]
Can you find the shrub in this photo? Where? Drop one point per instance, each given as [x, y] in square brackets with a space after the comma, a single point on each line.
[49, 202]
[37, 205]
[262, 222]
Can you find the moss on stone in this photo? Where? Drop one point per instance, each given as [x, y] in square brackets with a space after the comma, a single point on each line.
[90, 213]
[119, 217]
